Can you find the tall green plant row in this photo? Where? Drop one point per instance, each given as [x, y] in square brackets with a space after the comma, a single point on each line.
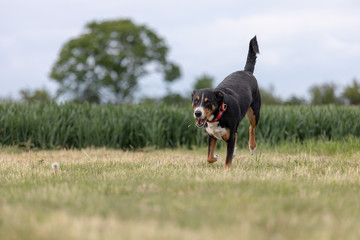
[68, 125]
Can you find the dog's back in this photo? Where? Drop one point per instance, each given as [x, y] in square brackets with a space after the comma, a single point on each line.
[242, 86]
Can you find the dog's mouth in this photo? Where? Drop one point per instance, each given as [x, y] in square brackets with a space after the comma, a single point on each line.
[200, 122]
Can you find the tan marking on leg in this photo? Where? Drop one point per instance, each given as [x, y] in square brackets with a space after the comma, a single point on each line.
[252, 143]
[211, 158]
[226, 136]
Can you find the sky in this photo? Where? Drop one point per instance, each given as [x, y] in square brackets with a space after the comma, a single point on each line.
[302, 43]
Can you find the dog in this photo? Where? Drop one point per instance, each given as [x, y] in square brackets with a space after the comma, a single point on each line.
[220, 110]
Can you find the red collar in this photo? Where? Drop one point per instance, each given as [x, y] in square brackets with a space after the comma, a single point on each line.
[222, 109]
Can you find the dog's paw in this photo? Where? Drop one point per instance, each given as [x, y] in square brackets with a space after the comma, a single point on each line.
[213, 159]
[252, 150]
[234, 152]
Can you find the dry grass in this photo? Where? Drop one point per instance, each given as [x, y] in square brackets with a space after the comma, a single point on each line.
[175, 194]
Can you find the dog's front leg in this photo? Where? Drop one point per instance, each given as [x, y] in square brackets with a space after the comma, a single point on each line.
[230, 146]
[211, 148]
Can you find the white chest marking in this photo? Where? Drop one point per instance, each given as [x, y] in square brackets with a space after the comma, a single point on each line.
[215, 130]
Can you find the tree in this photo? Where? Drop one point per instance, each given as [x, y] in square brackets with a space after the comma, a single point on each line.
[268, 96]
[204, 81]
[294, 100]
[176, 99]
[324, 94]
[36, 96]
[352, 93]
[104, 63]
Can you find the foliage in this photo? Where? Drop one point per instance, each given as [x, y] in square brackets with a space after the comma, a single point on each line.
[176, 100]
[268, 97]
[204, 81]
[294, 100]
[323, 94]
[171, 99]
[36, 96]
[352, 93]
[138, 126]
[106, 61]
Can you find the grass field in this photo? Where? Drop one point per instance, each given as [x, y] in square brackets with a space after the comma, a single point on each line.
[291, 192]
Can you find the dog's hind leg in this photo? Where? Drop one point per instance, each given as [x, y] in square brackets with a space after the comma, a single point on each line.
[211, 148]
[252, 119]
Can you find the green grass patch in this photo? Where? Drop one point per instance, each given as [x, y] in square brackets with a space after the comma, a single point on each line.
[346, 147]
[174, 194]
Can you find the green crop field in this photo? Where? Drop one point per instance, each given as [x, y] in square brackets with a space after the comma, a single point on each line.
[289, 191]
[51, 126]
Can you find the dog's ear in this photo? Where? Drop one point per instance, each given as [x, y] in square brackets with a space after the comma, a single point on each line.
[219, 96]
[193, 93]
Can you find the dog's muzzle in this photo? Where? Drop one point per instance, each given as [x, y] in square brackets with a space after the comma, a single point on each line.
[200, 117]
[200, 122]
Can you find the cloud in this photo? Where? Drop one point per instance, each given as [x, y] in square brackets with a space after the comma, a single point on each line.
[286, 34]
[305, 41]
[347, 48]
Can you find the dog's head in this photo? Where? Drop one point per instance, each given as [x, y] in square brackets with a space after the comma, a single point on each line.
[205, 102]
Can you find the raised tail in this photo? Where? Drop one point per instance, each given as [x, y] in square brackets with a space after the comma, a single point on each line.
[251, 58]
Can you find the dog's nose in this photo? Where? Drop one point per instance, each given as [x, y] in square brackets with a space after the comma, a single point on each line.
[198, 113]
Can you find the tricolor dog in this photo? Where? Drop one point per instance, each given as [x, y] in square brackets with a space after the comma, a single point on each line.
[220, 110]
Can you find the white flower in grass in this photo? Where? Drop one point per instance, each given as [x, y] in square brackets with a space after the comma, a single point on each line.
[55, 166]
